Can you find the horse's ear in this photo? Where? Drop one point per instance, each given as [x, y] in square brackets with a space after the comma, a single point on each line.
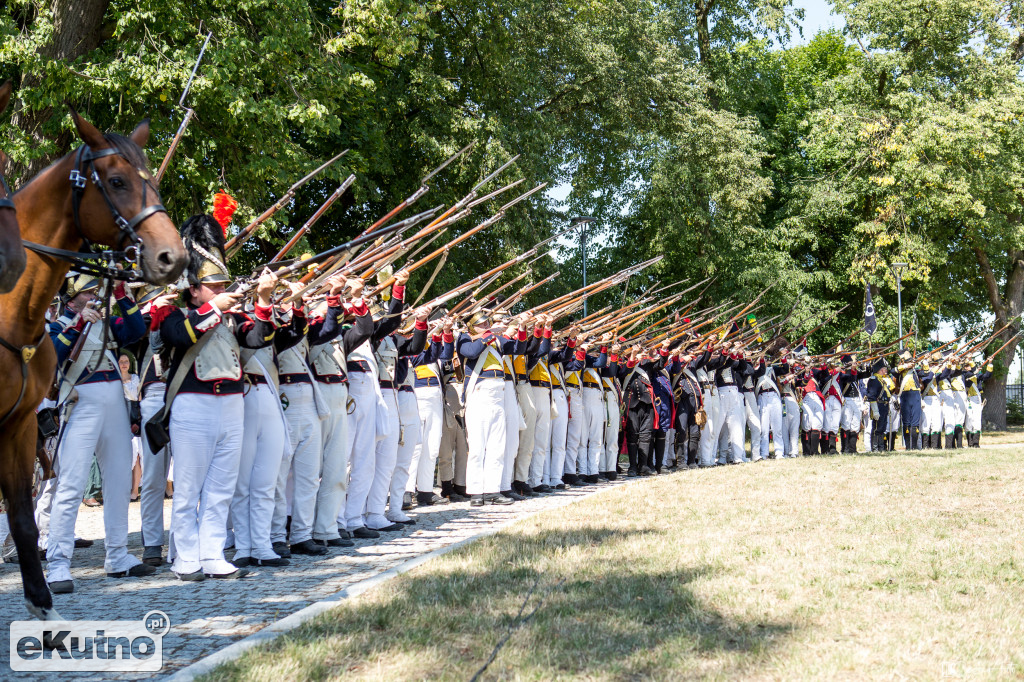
[89, 133]
[5, 95]
[140, 135]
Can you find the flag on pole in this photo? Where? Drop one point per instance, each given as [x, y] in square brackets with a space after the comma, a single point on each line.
[870, 323]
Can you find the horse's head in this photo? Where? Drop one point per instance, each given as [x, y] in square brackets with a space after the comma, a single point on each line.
[12, 253]
[118, 202]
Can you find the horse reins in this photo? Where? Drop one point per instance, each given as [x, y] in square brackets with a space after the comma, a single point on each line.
[86, 161]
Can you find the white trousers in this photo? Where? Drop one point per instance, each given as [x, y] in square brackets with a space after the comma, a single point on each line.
[334, 432]
[485, 435]
[362, 458]
[790, 426]
[594, 418]
[408, 441]
[559, 438]
[953, 408]
[709, 434]
[833, 413]
[386, 457]
[259, 467]
[972, 424]
[430, 407]
[304, 463]
[528, 435]
[814, 412]
[540, 458]
[610, 454]
[753, 415]
[931, 414]
[853, 410]
[574, 435]
[512, 421]
[154, 473]
[733, 418]
[98, 425]
[207, 434]
[770, 405]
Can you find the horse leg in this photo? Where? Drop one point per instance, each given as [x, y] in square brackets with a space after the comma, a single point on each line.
[18, 458]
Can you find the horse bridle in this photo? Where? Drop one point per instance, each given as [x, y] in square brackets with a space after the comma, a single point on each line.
[83, 173]
[86, 161]
[5, 201]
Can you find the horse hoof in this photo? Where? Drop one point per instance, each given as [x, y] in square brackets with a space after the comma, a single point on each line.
[42, 612]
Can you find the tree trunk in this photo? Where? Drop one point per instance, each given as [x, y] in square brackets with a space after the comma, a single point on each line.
[993, 414]
[702, 9]
[1007, 306]
[76, 31]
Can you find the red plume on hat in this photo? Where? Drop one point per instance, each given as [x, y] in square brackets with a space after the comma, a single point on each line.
[224, 207]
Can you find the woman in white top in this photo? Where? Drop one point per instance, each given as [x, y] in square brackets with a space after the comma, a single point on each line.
[130, 383]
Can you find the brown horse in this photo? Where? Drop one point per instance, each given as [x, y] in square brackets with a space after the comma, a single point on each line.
[12, 253]
[103, 193]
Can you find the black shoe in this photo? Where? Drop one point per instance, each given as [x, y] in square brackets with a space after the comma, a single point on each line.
[543, 489]
[309, 548]
[407, 501]
[390, 528]
[460, 490]
[631, 472]
[193, 577]
[344, 534]
[271, 562]
[512, 495]
[498, 499]
[407, 522]
[281, 549]
[458, 497]
[81, 544]
[561, 486]
[233, 575]
[446, 488]
[646, 471]
[335, 542]
[364, 533]
[692, 466]
[136, 571]
[476, 500]
[241, 562]
[593, 478]
[429, 499]
[62, 586]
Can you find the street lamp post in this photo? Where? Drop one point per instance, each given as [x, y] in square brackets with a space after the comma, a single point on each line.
[897, 269]
[582, 221]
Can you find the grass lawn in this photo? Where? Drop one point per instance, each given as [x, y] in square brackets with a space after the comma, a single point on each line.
[870, 566]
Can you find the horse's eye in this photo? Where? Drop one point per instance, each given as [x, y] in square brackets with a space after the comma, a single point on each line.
[117, 183]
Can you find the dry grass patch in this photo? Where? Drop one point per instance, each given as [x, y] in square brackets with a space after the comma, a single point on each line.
[827, 567]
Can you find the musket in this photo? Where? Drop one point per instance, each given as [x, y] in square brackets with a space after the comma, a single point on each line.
[463, 237]
[831, 317]
[664, 305]
[475, 282]
[519, 295]
[334, 261]
[993, 355]
[189, 112]
[423, 189]
[301, 232]
[491, 296]
[611, 279]
[235, 243]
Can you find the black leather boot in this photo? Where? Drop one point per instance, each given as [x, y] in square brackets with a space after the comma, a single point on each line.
[843, 436]
[813, 441]
[958, 437]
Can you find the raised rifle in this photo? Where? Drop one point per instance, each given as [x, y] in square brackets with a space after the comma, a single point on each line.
[301, 232]
[189, 112]
[235, 243]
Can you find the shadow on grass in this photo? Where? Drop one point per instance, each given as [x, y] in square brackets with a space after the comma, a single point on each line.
[616, 613]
